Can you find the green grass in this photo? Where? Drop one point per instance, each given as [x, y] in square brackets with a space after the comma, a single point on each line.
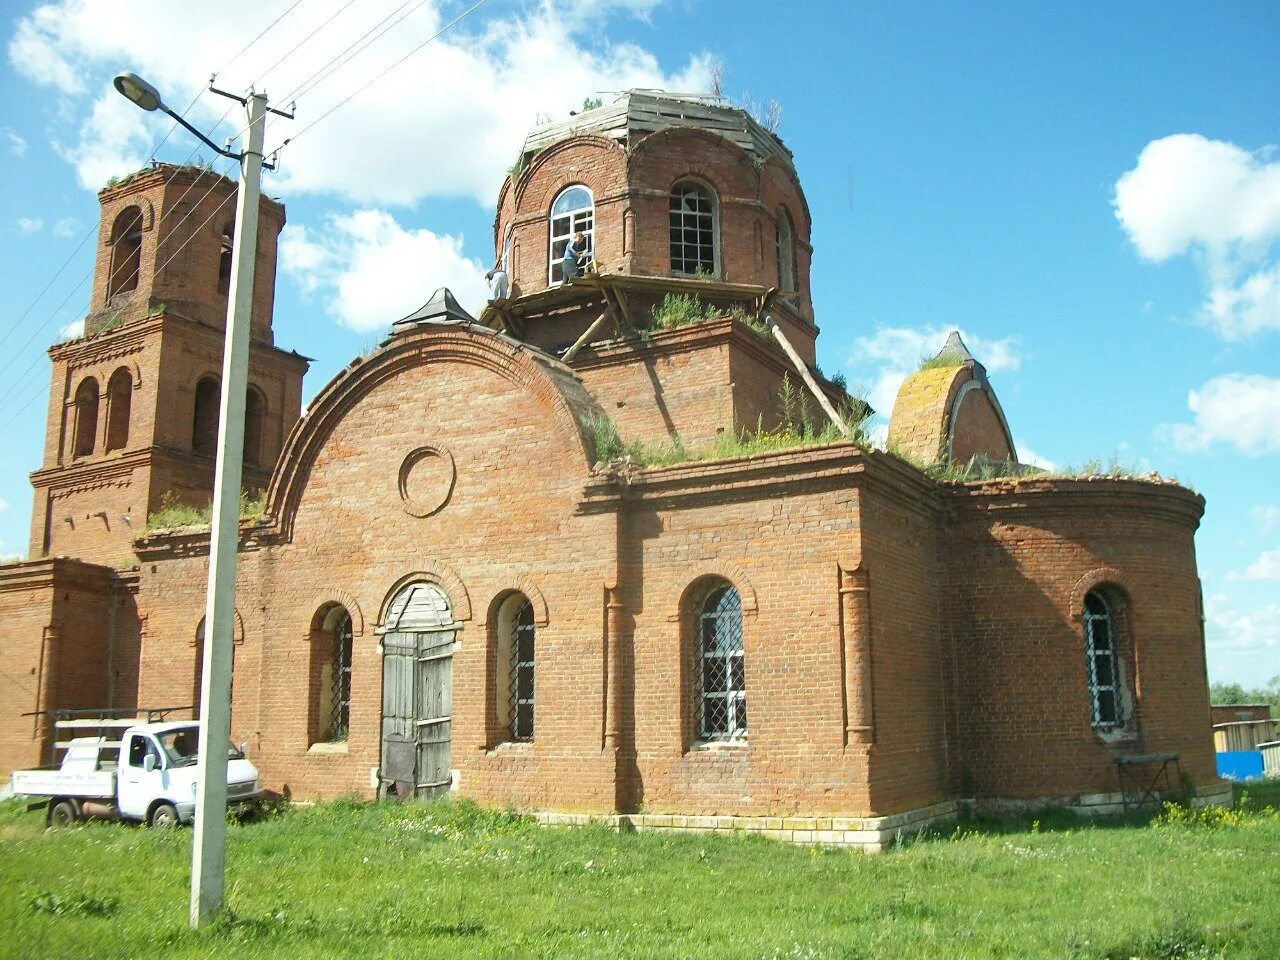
[173, 513]
[450, 880]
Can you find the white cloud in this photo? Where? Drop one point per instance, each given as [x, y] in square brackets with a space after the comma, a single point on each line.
[894, 352]
[66, 227]
[4, 504]
[1241, 410]
[1266, 567]
[447, 122]
[1189, 194]
[30, 224]
[72, 331]
[1027, 455]
[17, 143]
[360, 261]
[1231, 631]
[1267, 517]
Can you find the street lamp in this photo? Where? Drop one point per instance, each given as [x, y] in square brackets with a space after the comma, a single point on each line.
[209, 854]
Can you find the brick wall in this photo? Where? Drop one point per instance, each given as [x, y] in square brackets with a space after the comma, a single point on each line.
[57, 639]
[1018, 560]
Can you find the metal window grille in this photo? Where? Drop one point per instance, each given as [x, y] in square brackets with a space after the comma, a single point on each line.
[573, 212]
[722, 699]
[341, 693]
[522, 666]
[1100, 657]
[693, 246]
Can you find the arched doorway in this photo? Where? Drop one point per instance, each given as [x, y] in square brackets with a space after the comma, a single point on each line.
[417, 692]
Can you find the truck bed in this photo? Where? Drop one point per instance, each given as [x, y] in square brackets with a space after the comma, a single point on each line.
[89, 784]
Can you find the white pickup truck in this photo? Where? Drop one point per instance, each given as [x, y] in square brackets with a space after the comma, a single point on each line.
[149, 774]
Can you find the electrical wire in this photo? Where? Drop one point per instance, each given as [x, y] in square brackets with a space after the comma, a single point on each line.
[365, 86]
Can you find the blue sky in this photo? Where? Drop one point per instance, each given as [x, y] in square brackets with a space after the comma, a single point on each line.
[1091, 193]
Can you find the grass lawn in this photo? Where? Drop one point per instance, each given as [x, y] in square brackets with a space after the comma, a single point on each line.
[449, 880]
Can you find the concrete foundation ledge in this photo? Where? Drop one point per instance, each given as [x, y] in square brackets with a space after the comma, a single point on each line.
[1089, 804]
[869, 834]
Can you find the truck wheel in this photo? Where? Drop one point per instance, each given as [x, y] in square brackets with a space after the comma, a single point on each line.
[163, 815]
[62, 813]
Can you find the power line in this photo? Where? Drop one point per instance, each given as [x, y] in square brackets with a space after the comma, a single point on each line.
[333, 16]
[324, 72]
[365, 86]
[265, 31]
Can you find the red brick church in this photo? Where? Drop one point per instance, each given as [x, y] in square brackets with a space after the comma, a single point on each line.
[459, 585]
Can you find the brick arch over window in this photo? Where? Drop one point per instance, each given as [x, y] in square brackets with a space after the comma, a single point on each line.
[534, 595]
[444, 577]
[330, 597]
[717, 570]
[557, 399]
[1107, 579]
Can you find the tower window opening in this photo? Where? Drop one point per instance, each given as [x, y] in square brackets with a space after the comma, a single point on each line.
[126, 252]
[86, 417]
[693, 230]
[572, 212]
[204, 428]
[119, 401]
[254, 414]
[224, 263]
[786, 251]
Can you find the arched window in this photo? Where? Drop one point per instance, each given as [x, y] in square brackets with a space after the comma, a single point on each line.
[255, 409]
[1100, 661]
[693, 229]
[722, 694]
[198, 679]
[119, 401]
[224, 262]
[786, 251]
[572, 211]
[204, 427]
[126, 252]
[331, 639]
[86, 417]
[515, 664]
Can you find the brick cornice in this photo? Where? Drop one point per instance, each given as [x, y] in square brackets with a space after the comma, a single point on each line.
[78, 473]
[46, 572]
[762, 475]
[1071, 496]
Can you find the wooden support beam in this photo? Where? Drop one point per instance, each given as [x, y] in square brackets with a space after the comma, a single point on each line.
[586, 336]
[803, 369]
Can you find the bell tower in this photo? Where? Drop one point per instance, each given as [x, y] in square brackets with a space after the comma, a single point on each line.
[133, 404]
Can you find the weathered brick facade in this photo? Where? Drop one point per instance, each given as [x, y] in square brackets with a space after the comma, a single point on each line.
[906, 643]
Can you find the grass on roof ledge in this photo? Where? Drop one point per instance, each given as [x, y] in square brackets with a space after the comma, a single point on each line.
[173, 513]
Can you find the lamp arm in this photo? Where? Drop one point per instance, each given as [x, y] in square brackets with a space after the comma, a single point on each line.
[209, 143]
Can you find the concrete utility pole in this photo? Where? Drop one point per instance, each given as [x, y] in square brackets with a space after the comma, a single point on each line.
[209, 854]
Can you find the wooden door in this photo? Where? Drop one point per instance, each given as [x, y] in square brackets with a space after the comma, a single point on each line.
[417, 692]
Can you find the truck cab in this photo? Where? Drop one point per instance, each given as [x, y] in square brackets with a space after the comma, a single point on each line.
[157, 768]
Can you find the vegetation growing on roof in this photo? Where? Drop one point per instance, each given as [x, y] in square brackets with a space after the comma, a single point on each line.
[173, 513]
[682, 309]
[795, 430]
[934, 363]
